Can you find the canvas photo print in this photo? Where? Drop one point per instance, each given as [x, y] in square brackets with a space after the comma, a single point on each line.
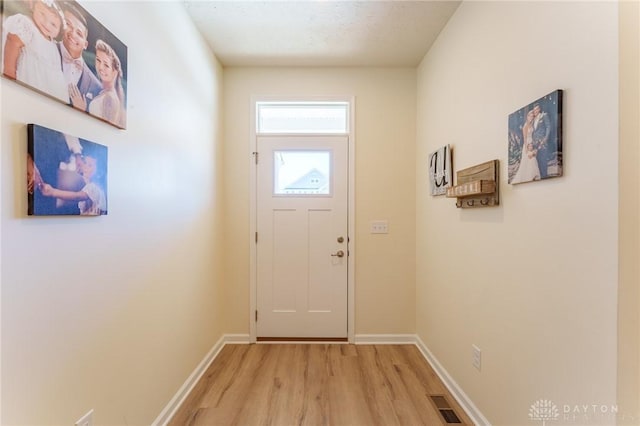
[66, 175]
[57, 48]
[535, 140]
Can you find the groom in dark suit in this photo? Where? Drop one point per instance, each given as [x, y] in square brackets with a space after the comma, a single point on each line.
[541, 133]
[84, 86]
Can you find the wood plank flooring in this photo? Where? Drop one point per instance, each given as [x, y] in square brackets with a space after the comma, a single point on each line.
[316, 384]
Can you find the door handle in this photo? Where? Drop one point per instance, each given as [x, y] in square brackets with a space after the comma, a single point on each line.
[339, 253]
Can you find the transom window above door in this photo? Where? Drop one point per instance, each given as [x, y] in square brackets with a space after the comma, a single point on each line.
[302, 117]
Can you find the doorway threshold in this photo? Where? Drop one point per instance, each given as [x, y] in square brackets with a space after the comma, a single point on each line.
[302, 339]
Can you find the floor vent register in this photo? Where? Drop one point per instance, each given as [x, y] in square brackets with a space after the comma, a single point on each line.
[444, 408]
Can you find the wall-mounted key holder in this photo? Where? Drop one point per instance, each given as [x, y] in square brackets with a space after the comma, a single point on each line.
[477, 186]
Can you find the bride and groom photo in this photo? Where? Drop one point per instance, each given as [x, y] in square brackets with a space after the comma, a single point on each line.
[535, 140]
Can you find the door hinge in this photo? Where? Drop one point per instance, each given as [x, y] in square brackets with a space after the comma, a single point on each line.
[256, 237]
[255, 156]
[256, 315]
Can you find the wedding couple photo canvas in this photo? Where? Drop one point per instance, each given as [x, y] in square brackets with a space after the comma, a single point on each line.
[66, 175]
[535, 140]
[57, 48]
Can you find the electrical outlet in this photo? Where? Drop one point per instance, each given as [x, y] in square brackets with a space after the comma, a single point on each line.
[476, 357]
[86, 420]
[379, 227]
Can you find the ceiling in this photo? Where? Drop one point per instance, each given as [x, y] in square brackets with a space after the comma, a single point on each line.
[320, 32]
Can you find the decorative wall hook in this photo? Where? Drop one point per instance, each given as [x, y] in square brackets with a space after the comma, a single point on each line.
[477, 186]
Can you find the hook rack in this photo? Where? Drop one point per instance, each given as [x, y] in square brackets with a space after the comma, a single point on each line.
[478, 186]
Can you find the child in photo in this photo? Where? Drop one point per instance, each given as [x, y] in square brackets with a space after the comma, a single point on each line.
[91, 198]
[31, 55]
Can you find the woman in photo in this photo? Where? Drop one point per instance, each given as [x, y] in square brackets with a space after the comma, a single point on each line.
[109, 104]
[528, 169]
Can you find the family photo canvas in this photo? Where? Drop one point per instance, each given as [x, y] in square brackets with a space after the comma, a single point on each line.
[58, 49]
[66, 175]
[535, 140]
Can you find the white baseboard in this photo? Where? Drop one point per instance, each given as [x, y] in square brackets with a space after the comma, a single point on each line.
[385, 339]
[184, 391]
[465, 402]
[236, 339]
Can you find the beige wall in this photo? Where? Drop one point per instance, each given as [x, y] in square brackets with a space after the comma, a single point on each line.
[629, 295]
[114, 313]
[385, 184]
[532, 282]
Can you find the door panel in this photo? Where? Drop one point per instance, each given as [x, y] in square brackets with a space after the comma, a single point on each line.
[301, 213]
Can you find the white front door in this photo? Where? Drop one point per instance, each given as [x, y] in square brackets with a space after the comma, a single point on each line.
[302, 241]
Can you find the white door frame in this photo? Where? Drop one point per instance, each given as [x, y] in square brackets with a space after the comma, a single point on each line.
[253, 208]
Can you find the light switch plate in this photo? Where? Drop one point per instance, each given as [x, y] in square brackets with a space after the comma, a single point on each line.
[379, 227]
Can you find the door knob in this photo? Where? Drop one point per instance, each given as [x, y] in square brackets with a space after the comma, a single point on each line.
[339, 253]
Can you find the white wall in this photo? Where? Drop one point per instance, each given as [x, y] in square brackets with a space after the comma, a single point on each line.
[532, 282]
[114, 312]
[385, 184]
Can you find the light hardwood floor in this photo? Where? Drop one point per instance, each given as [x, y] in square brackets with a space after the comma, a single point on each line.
[316, 384]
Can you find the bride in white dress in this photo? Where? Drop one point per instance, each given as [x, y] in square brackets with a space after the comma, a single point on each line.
[109, 104]
[528, 169]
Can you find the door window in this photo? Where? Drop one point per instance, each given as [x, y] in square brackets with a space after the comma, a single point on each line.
[302, 172]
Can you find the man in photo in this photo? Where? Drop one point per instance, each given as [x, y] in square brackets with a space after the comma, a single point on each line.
[541, 132]
[54, 159]
[83, 84]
